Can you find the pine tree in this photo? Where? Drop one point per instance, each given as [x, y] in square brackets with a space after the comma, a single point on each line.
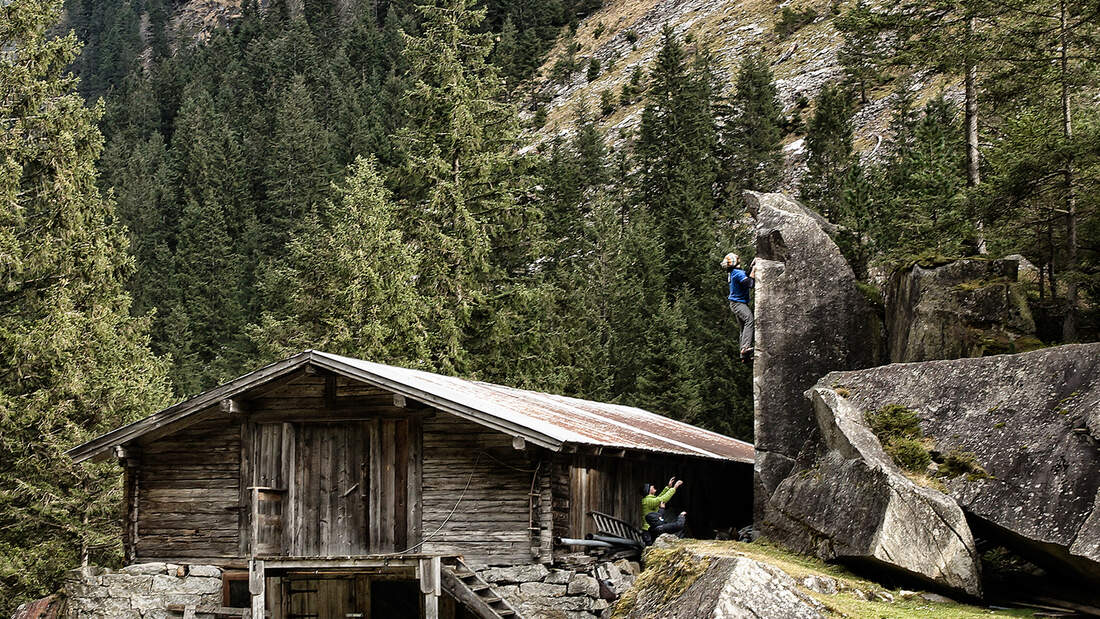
[926, 202]
[209, 266]
[76, 362]
[862, 51]
[829, 141]
[459, 174]
[858, 216]
[298, 167]
[504, 52]
[348, 282]
[947, 36]
[752, 131]
[1046, 51]
[677, 167]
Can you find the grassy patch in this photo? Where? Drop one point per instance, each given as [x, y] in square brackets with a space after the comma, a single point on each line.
[894, 421]
[848, 605]
[670, 570]
[870, 292]
[958, 463]
[908, 453]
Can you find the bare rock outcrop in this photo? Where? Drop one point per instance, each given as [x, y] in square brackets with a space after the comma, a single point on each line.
[1027, 429]
[717, 587]
[811, 319]
[965, 308]
[818, 490]
[854, 505]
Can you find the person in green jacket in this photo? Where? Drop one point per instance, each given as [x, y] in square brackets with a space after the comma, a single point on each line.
[651, 500]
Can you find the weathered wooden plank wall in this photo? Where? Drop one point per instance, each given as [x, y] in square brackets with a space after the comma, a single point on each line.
[342, 452]
[463, 460]
[188, 493]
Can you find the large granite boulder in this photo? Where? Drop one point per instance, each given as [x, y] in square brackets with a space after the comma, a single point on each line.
[854, 505]
[722, 586]
[1027, 427]
[965, 308]
[810, 319]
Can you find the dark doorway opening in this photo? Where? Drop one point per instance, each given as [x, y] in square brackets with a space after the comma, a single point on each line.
[395, 598]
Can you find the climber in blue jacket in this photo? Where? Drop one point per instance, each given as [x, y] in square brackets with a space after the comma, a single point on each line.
[740, 285]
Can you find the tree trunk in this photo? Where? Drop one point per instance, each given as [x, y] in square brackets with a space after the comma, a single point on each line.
[973, 173]
[1069, 325]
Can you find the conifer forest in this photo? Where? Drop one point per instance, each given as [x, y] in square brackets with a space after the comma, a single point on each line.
[381, 180]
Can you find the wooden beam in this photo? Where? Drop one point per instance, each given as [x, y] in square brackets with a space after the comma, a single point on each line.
[518, 443]
[431, 585]
[234, 408]
[365, 561]
[337, 414]
[256, 586]
[399, 400]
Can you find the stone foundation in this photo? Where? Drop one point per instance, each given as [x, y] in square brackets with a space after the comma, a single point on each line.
[140, 591]
[570, 590]
[567, 591]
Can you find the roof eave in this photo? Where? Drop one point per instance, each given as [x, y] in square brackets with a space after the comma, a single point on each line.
[161, 418]
[101, 445]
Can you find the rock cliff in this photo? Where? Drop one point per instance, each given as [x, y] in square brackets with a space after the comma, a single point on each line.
[810, 320]
[1001, 447]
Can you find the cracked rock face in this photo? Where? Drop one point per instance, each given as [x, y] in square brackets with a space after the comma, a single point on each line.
[854, 505]
[722, 587]
[1029, 421]
[810, 320]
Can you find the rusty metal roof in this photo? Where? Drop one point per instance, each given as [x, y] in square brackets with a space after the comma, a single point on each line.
[568, 420]
[552, 421]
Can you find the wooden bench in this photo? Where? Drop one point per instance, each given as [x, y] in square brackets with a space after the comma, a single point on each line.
[625, 536]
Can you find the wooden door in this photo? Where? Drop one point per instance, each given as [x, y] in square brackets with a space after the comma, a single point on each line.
[393, 473]
[329, 494]
[341, 488]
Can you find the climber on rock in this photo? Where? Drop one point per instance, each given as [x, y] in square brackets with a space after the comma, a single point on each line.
[740, 284]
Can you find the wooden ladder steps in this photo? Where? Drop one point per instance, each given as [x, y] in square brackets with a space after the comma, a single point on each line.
[472, 591]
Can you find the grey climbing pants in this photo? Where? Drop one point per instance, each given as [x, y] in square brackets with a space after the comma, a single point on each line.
[748, 324]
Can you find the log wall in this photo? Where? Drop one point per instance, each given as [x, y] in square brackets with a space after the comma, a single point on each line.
[477, 493]
[187, 487]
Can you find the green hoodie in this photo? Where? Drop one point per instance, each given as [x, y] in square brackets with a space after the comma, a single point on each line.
[652, 503]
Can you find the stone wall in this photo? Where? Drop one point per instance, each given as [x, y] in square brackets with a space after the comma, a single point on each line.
[141, 591]
[569, 591]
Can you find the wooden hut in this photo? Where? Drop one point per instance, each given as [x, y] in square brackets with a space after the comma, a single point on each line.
[353, 481]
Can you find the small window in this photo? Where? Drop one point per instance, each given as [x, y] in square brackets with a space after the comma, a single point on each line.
[235, 590]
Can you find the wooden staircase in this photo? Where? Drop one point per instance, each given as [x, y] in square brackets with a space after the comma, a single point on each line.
[473, 592]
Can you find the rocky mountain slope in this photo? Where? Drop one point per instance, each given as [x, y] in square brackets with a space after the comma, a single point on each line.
[625, 35]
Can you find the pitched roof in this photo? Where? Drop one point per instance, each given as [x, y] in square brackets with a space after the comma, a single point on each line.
[548, 420]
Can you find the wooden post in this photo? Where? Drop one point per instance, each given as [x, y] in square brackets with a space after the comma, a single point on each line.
[256, 584]
[431, 586]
